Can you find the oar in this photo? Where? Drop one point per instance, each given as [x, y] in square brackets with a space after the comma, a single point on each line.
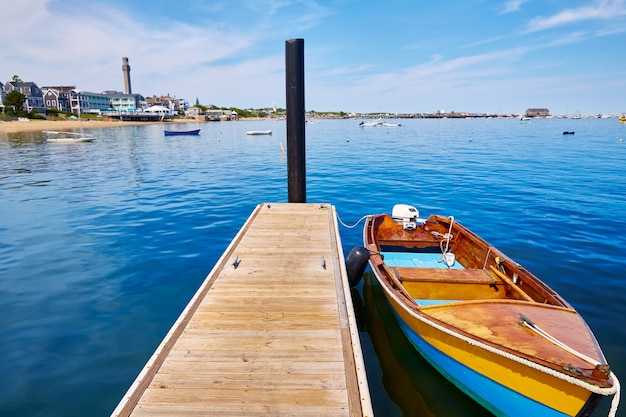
[511, 284]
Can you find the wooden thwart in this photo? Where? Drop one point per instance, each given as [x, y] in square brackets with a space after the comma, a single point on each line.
[461, 276]
[275, 335]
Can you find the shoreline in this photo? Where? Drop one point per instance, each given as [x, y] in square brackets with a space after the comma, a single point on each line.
[41, 125]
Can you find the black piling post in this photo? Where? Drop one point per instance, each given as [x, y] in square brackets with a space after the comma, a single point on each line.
[296, 161]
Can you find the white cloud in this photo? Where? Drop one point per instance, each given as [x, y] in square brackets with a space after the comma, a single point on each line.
[513, 6]
[573, 37]
[436, 82]
[602, 9]
[86, 50]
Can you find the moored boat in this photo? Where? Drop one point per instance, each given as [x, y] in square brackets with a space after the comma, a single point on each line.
[488, 325]
[55, 136]
[181, 132]
[374, 123]
[258, 132]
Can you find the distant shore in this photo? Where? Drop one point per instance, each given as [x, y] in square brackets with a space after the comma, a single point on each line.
[40, 125]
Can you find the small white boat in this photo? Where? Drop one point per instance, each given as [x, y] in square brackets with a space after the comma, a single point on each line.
[378, 122]
[259, 132]
[68, 137]
[385, 124]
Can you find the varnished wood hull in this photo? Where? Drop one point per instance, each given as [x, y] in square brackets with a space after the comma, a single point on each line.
[466, 322]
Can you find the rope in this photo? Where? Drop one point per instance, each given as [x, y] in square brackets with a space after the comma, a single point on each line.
[354, 225]
[487, 258]
[525, 321]
[615, 389]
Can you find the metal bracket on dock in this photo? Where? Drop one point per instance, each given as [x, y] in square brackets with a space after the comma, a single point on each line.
[236, 262]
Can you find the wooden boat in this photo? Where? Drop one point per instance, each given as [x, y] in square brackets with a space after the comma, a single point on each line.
[181, 132]
[487, 324]
[68, 137]
[258, 132]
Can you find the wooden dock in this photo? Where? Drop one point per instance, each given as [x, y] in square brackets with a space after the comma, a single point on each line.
[270, 332]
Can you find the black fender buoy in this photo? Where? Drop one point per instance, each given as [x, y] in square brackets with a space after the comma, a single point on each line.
[356, 262]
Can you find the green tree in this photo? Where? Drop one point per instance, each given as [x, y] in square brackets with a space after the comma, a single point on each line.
[13, 102]
[16, 79]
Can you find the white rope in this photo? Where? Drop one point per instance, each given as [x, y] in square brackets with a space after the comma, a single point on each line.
[615, 389]
[525, 321]
[449, 235]
[487, 258]
[354, 225]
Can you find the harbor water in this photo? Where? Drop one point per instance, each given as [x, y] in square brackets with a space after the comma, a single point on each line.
[103, 244]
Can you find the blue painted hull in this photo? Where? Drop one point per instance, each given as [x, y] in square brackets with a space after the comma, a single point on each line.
[181, 132]
[496, 398]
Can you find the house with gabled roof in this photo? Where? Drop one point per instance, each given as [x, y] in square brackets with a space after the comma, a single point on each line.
[34, 95]
[57, 98]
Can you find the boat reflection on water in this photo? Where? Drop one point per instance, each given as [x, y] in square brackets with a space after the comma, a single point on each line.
[413, 387]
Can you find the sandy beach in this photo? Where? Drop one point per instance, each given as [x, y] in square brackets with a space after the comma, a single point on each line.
[40, 125]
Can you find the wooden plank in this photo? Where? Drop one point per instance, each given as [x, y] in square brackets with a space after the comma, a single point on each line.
[468, 276]
[274, 335]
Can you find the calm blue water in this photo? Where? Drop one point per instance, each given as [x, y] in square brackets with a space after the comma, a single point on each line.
[103, 244]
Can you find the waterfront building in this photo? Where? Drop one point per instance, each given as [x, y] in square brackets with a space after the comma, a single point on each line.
[195, 112]
[176, 105]
[34, 95]
[537, 112]
[160, 110]
[124, 102]
[82, 102]
[57, 98]
[1, 95]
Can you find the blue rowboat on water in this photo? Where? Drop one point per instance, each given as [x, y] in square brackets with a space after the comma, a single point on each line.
[492, 328]
[181, 132]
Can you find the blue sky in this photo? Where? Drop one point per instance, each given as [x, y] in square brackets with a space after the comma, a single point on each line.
[360, 56]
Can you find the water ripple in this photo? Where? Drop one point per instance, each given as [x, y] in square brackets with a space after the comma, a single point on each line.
[98, 241]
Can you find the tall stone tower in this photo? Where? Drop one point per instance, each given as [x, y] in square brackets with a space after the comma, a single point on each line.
[126, 70]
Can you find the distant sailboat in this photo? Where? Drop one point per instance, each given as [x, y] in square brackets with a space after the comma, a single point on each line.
[69, 137]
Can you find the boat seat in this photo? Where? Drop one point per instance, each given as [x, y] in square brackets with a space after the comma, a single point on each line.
[460, 276]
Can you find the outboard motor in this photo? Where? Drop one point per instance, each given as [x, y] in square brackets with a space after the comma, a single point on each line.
[356, 262]
[406, 215]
